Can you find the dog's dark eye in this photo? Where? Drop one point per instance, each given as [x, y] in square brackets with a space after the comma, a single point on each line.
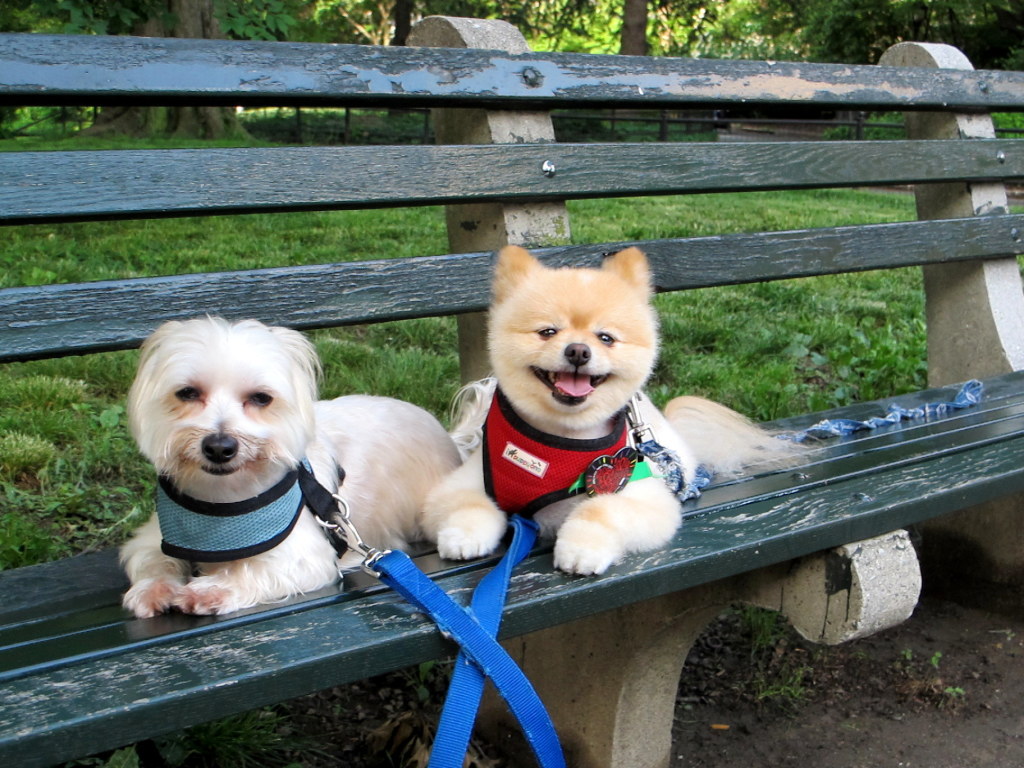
[188, 394]
[547, 333]
[260, 399]
[606, 338]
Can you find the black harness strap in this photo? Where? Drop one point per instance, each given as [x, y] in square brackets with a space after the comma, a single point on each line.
[323, 504]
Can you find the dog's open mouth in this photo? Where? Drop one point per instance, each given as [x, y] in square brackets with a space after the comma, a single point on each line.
[569, 387]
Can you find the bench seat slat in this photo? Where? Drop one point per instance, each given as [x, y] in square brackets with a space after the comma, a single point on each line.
[47, 320]
[98, 70]
[776, 530]
[888, 447]
[50, 186]
[378, 631]
[91, 634]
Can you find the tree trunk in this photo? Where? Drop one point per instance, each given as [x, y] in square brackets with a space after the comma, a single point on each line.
[403, 21]
[634, 28]
[192, 19]
[196, 19]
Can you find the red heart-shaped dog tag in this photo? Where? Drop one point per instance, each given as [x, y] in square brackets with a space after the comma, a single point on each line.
[609, 474]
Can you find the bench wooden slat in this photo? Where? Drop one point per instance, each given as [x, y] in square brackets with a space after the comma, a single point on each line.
[88, 635]
[92, 634]
[98, 581]
[47, 320]
[49, 186]
[88, 70]
[379, 632]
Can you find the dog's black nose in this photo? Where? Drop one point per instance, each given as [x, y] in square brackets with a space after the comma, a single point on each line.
[577, 354]
[220, 448]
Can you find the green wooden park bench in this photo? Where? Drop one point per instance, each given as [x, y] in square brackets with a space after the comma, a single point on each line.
[825, 542]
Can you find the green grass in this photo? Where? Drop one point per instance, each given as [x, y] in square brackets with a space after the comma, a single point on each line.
[71, 479]
[62, 253]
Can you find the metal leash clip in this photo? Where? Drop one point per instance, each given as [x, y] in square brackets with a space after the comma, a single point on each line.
[640, 431]
[343, 525]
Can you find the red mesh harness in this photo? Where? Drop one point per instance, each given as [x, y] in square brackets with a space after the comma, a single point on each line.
[525, 469]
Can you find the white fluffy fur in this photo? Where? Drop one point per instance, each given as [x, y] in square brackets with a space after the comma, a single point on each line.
[583, 306]
[392, 453]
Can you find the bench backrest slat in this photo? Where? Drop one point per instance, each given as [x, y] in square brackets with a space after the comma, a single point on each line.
[52, 320]
[88, 70]
[49, 186]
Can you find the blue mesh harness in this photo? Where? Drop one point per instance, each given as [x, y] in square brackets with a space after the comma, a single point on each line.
[208, 532]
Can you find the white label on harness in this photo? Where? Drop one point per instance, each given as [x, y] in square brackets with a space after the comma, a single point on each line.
[523, 460]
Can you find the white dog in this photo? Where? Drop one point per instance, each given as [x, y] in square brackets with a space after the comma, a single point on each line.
[227, 413]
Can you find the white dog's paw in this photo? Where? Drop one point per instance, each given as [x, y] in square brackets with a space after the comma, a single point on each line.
[151, 597]
[204, 597]
[468, 535]
[586, 548]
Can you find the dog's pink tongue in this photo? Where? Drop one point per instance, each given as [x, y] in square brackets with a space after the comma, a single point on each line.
[573, 384]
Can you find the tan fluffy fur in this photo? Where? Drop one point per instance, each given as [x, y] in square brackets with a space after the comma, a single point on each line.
[589, 307]
[392, 453]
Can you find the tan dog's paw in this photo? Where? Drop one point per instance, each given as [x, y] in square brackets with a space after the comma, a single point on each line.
[203, 598]
[470, 533]
[151, 597]
[586, 547]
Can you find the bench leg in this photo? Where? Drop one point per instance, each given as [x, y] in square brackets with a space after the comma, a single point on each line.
[845, 593]
[975, 310]
[610, 680]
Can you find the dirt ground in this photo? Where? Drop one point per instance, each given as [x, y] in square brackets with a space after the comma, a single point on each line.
[943, 690]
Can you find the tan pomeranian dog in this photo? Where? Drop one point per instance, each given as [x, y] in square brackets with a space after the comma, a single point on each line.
[227, 414]
[554, 434]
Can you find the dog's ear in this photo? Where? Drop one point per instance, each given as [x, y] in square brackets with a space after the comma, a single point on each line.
[152, 342]
[147, 380]
[303, 356]
[631, 265]
[514, 265]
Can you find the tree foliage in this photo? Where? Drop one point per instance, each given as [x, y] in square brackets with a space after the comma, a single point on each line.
[257, 19]
[859, 31]
[97, 17]
[989, 32]
[21, 16]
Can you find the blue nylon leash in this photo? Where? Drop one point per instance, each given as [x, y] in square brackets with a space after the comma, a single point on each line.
[397, 570]
[467, 685]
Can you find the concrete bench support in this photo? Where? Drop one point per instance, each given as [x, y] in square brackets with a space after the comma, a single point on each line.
[987, 539]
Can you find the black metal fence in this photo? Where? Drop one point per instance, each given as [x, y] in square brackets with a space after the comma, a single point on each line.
[361, 126]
